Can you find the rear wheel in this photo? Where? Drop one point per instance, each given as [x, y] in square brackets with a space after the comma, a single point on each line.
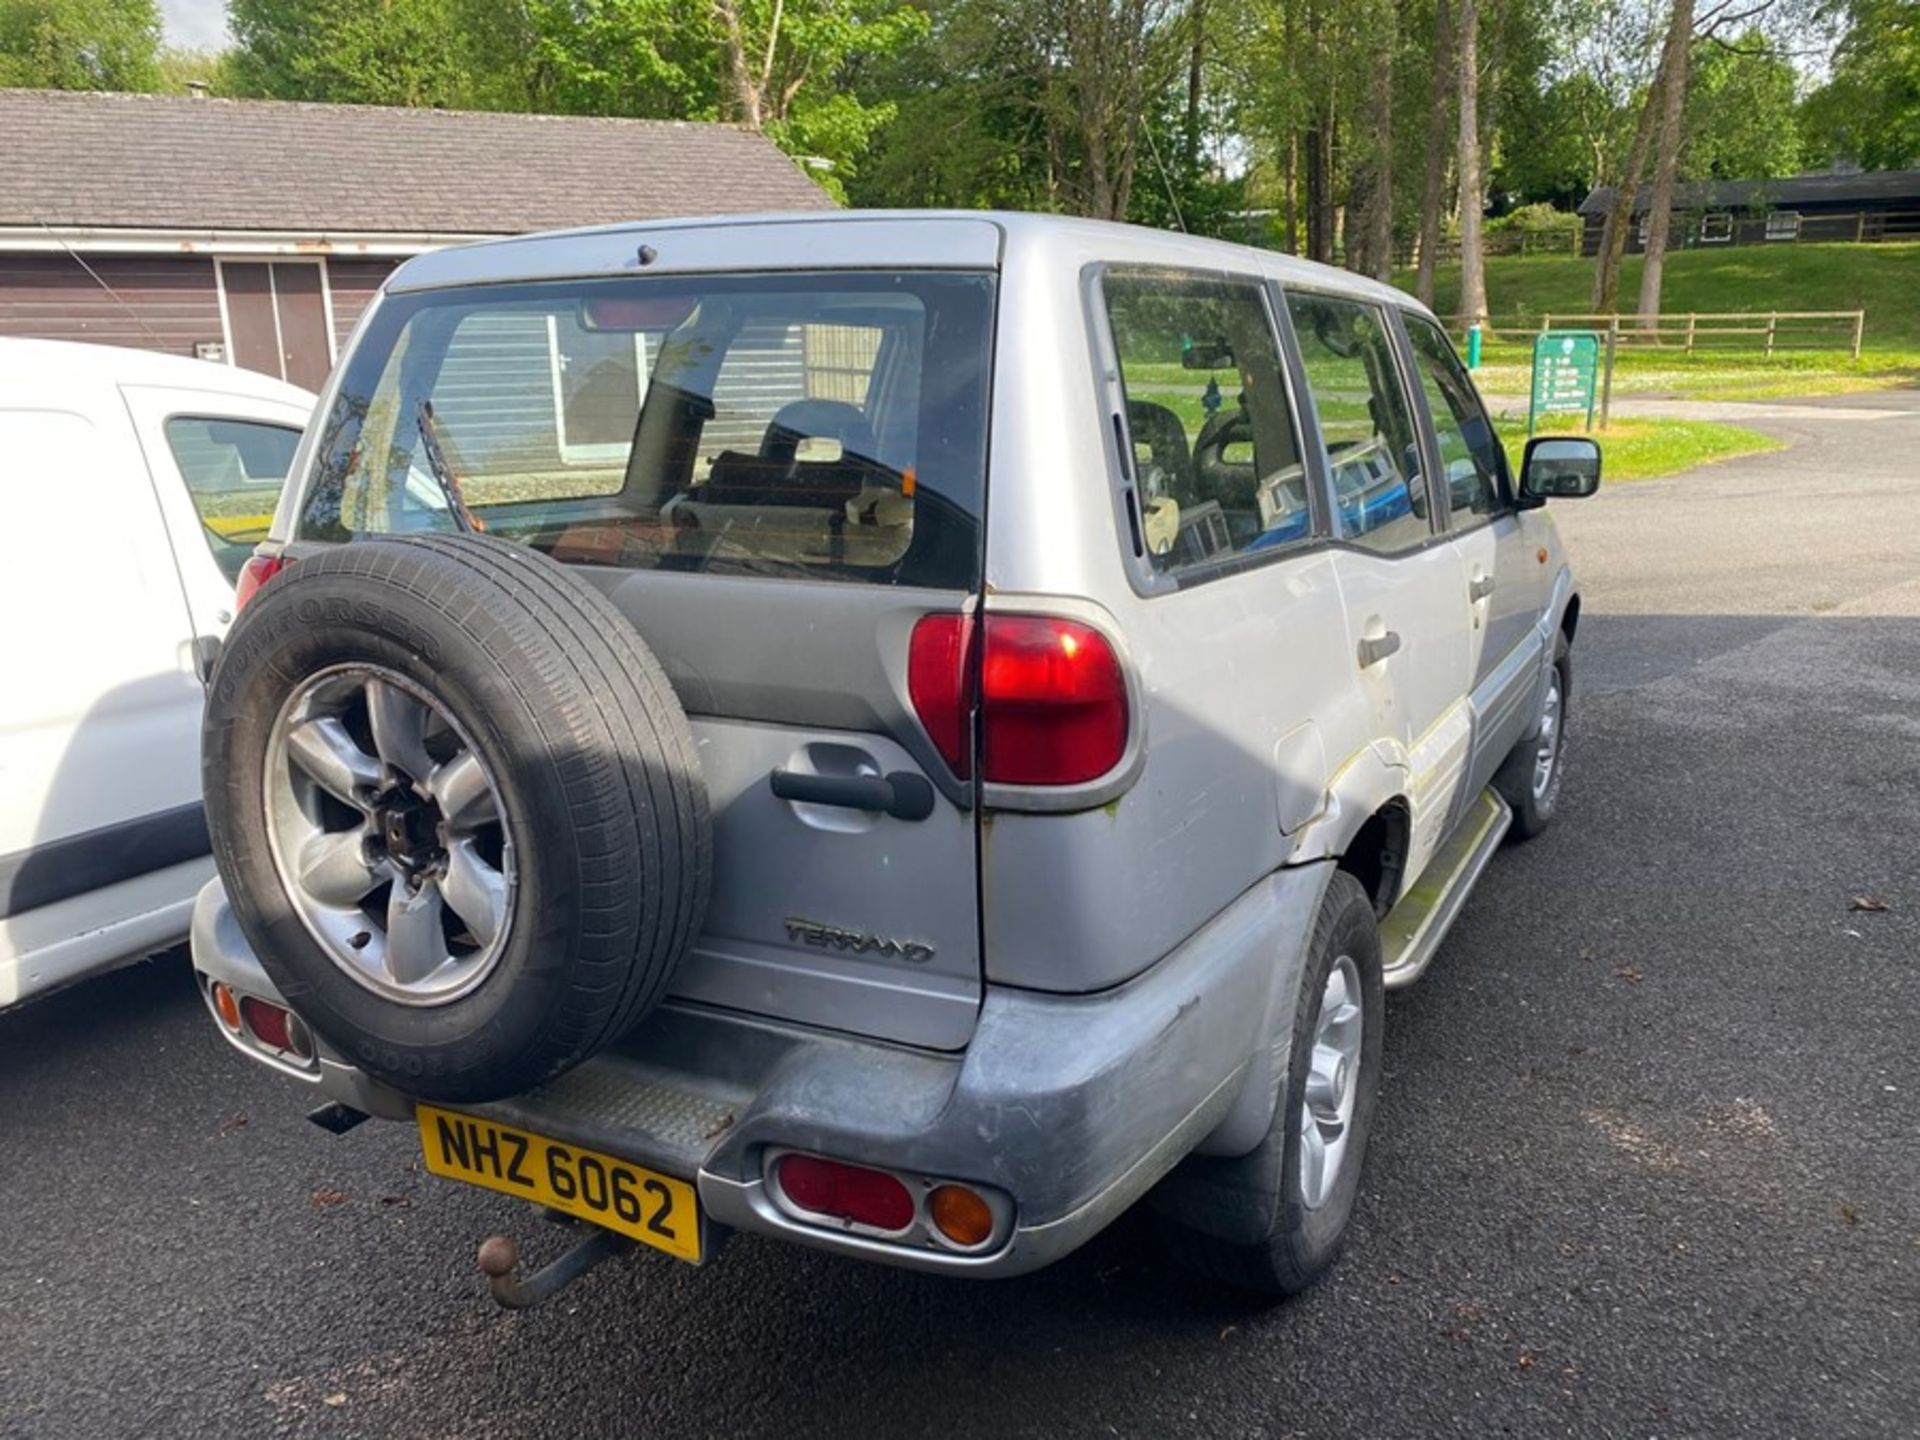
[457, 808]
[1529, 779]
[1273, 1220]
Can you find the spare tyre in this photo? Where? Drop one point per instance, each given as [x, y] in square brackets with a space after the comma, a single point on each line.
[457, 808]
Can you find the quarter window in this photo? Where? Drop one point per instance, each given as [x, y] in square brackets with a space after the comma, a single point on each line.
[1365, 420]
[1216, 453]
[1470, 457]
[234, 470]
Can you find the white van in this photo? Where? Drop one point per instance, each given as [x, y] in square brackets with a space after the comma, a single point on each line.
[133, 488]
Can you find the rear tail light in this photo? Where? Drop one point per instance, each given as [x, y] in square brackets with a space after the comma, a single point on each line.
[258, 570]
[276, 1028]
[845, 1192]
[1052, 697]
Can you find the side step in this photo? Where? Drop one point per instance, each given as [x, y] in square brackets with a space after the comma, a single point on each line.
[1413, 929]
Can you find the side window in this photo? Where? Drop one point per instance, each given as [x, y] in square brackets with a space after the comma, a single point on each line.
[1470, 456]
[1365, 419]
[234, 470]
[1216, 452]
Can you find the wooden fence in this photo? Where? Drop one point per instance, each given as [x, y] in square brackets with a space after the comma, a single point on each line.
[1770, 331]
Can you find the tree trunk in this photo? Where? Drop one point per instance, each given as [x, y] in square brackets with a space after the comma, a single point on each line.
[1666, 166]
[1473, 268]
[1197, 18]
[1434, 183]
[1377, 218]
[1613, 230]
[1291, 244]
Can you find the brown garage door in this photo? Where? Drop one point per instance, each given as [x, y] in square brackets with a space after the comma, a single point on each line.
[277, 319]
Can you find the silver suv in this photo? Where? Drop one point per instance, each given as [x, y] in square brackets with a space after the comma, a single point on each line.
[902, 733]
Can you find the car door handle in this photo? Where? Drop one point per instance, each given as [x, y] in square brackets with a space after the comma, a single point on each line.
[1479, 587]
[903, 794]
[1375, 648]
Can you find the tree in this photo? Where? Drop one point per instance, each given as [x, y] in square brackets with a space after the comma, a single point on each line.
[1666, 165]
[1742, 120]
[1613, 234]
[80, 44]
[1370, 209]
[1434, 173]
[364, 52]
[1869, 111]
[1473, 265]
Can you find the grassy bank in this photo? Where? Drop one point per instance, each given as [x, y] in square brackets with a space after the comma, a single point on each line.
[1648, 449]
[1881, 279]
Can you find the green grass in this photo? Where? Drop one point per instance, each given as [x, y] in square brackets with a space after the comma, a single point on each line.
[1881, 279]
[1648, 449]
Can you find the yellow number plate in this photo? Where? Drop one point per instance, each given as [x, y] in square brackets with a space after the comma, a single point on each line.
[654, 1209]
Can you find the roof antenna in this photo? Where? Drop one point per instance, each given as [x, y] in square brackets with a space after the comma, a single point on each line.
[1166, 180]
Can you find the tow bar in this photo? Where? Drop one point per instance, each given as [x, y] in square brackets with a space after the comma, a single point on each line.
[500, 1257]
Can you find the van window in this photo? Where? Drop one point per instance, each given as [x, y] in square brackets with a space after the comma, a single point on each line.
[1365, 420]
[808, 426]
[1471, 461]
[234, 470]
[1216, 454]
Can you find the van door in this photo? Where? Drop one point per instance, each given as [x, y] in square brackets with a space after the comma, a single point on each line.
[1506, 581]
[1401, 581]
[775, 477]
[217, 462]
[100, 718]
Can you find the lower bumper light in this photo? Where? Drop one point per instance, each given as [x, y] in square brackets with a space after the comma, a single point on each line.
[839, 1191]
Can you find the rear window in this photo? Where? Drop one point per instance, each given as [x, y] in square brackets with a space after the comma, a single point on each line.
[234, 470]
[827, 426]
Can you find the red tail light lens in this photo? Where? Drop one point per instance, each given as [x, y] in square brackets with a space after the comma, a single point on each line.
[939, 686]
[1053, 702]
[846, 1192]
[1053, 697]
[258, 570]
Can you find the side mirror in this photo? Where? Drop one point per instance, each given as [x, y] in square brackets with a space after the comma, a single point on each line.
[1559, 467]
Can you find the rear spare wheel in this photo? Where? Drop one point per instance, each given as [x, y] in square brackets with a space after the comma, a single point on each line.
[457, 808]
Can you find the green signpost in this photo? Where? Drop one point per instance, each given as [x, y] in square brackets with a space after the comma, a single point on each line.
[1566, 369]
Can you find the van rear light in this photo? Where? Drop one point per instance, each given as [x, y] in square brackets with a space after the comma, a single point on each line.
[939, 686]
[277, 1028]
[1053, 702]
[258, 570]
[844, 1192]
[1052, 697]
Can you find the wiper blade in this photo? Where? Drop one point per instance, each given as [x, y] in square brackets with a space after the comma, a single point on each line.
[443, 475]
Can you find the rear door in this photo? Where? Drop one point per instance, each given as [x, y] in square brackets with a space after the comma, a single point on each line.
[1403, 585]
[1506, 574]
[774, 478]
[218, 462]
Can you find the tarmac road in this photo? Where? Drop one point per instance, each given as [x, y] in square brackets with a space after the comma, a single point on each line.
[1647, 1160]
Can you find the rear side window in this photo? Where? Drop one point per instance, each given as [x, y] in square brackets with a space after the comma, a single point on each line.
[809, 426]
[1216, 454]
[1365, 419]
[234, 470]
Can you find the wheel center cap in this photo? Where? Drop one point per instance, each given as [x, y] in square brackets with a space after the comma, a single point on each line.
[409, 829]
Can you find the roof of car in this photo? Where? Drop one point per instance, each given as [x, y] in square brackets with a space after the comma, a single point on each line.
[57, 360]
[847, 238]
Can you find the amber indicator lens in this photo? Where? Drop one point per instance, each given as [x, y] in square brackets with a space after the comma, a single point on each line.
[960, 1214]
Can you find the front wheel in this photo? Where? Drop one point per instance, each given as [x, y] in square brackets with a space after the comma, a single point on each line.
[1529, 779]
[1273, 1220]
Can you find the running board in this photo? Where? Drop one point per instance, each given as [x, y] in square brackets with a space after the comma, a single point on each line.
[1413, 929]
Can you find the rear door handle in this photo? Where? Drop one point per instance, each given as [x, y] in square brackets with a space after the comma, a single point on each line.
[1479, 587]
[903, 794]
[1375, 648]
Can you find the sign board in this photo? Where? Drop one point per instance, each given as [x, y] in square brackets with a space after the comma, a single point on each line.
[1566, 369]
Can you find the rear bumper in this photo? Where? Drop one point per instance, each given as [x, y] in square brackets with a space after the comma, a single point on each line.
[1070, 1107]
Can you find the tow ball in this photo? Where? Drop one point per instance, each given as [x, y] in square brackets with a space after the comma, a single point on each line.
[500, 1258]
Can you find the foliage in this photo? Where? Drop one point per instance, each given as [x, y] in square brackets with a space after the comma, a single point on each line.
[80, 44]
[1869, 112]
[364, 52]
[1742, 121]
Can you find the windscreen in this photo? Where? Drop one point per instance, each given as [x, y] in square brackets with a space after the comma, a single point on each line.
[824, 426]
